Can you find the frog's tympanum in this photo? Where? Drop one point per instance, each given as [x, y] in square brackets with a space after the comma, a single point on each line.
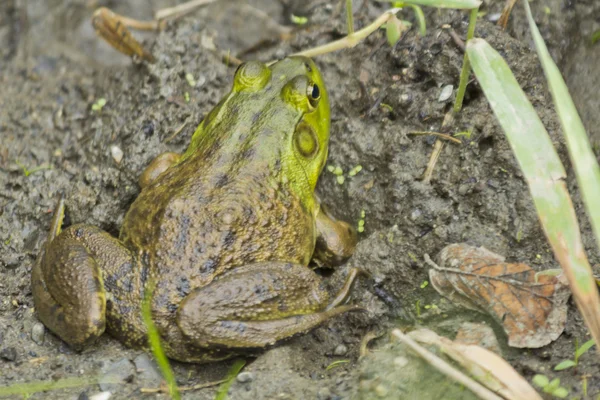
[224, 233]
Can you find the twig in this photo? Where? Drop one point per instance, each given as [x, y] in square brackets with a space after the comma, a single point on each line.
[445, 368]
[437, 150]
[181, 9]
[438, 134]
[177, 131]
[350, 40]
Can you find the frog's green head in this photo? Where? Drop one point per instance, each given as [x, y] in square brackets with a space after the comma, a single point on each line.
[302, 92]
[275, 119]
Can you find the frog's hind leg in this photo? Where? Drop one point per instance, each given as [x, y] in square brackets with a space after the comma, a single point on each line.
[67, 284]
[256, 306]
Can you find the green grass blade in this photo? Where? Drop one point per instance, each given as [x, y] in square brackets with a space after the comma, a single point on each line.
[584, 347]
[460, 4]
[543, 171]
[420, 19]
[155, 343]
[233, 372]
[582, 158]
[29, 388]
[564, 365]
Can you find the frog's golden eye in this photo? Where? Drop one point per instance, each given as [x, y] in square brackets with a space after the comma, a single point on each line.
[251, 76]
[305, 140]
[301, 93]
[314, 94]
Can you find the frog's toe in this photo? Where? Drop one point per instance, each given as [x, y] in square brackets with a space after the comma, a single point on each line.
[68, 291]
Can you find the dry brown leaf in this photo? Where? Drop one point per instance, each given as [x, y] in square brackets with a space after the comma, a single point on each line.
[483, 365]
[503, 21]
[532, 311]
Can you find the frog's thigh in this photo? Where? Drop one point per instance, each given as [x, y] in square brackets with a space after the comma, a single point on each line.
[159, 165]
[67, 283]
[255, 306]
[336, 240]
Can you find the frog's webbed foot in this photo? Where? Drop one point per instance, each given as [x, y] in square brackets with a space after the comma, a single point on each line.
[67, 284]
[255, 306]
[159, 165]
[336, 240]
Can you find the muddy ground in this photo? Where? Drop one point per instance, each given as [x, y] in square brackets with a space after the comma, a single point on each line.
[52, 69]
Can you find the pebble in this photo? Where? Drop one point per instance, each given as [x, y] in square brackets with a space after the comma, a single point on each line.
[116, 153]
[101, 396]
[147, 371]
[446, 93]
[120, 371]
[37, 333]
[340, 350]
[324, 394]
[244, 377]
[8, 354]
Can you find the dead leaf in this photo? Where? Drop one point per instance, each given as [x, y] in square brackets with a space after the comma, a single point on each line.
[532, 312]
[486, 367]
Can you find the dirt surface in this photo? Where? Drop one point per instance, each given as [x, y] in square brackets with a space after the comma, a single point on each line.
[52, 69]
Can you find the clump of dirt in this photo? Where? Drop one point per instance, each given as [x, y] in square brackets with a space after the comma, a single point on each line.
[53, 142]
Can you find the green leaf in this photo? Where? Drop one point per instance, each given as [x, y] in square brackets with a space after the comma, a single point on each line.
[298, 20]
[565, 364]
[420, 19]
[584, 347]
[540, 380]
[595, 36]
[460, 4]
[393, 31]
[542, 169]
[552, 386]
[560, 392]
[233, 372]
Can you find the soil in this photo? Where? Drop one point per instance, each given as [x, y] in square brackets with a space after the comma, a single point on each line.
[53, 69]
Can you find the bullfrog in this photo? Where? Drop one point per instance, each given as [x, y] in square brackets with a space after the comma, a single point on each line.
[223, 233]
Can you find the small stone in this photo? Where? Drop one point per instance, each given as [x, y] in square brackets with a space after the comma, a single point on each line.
[147, 371]
[446, 93]
[83, 396]
[381, 391]
[340, 350]
[101, 396]
[116, 153]
[37, 333]
[119, 371]
[324, 394]
[245, 377]
[8, 354]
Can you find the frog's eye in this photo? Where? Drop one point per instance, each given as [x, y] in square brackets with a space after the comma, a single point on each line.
[300, 93]
[314, 94]
[251, 76]
[305, 140]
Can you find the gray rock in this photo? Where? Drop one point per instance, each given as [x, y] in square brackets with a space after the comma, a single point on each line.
[37, 333]
[148, 373]
[245, 377]
[116, 373]
[340, 350]
[8, 354]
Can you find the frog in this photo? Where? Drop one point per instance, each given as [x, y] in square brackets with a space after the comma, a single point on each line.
[221, 241]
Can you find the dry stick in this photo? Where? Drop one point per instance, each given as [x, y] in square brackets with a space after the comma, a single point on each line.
[503, 21]
[438, 134]
[435, 155]
[350, 40]
[164, 389]
[181, 9]
[445, 368]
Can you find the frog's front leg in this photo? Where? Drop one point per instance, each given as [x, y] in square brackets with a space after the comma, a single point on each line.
[257, 305]
[159, 165]
[336, 240]
[67, 285]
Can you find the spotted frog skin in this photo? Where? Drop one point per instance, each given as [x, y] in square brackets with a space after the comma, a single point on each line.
[223, 233]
